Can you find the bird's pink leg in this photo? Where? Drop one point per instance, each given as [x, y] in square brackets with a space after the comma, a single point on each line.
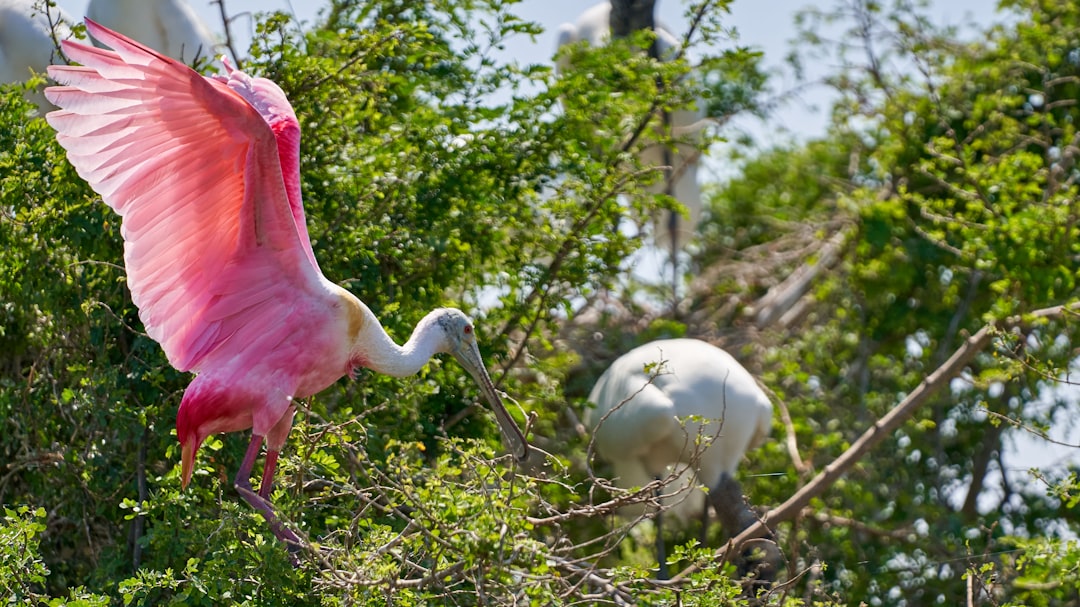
[267, 483]
[258, 502]
[275, 439]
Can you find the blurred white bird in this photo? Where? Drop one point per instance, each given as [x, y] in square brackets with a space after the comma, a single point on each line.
[27, 40]
[671, 231]
[171, 27]
[27, 43]
[686, 406]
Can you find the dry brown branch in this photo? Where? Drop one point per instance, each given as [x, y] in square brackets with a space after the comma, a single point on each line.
[825, 518]
[226, 22]
[783, 296]
[54, 21]
[765, 266]
[802, 467]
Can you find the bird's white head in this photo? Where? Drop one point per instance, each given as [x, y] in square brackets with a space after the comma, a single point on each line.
[456, 329]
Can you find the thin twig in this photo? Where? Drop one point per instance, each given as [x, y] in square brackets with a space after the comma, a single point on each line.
[225, 24]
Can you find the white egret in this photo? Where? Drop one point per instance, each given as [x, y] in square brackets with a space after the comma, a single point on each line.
[170, 27]
[672, 231]
[683, 405]
[29, 31]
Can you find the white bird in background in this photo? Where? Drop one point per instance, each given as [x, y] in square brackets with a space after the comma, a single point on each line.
[682, 405]
[672, 231]
[26, 41]
[171, 27]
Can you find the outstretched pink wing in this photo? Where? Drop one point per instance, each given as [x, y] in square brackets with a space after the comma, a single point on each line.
[205, 173]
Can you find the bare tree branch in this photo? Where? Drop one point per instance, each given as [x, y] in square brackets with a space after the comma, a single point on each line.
[225, 23]
[785, 295]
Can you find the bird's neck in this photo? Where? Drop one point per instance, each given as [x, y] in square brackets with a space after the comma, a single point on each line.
[373, 348]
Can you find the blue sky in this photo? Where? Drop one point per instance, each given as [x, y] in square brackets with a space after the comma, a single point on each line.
[765, 24]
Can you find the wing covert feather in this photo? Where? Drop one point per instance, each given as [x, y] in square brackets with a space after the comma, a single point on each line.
[205, 173]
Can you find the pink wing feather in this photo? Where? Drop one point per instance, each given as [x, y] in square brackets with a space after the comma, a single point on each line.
[205, 173]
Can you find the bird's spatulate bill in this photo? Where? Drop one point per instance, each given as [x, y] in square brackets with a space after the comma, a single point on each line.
[513, 439]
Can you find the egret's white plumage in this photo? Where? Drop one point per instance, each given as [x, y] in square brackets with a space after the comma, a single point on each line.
[687, 127]
[170, 27]
[26, 41]
[655, 402]
[687, 406]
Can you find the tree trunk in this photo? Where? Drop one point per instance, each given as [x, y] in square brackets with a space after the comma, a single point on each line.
[628, 16]
[980, 463]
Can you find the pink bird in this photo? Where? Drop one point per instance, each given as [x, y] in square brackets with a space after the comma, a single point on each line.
[205, 172]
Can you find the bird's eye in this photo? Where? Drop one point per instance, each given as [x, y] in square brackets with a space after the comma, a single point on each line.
[468, 329]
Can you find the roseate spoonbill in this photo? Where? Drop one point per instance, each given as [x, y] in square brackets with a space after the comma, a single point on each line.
[26, 41]
[671, 231]
[684, 403]
[171, 27]
[205, 172]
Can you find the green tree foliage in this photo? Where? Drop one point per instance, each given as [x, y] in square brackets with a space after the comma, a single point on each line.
[433, 175]
[942, 198]
[948, 178]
